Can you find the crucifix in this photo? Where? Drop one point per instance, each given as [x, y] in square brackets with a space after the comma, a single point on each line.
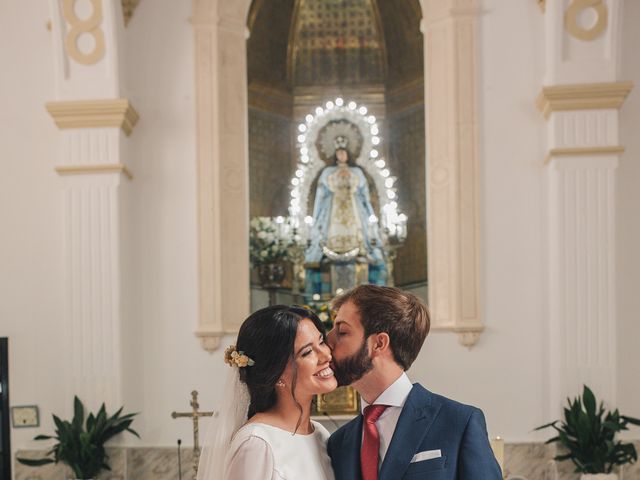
[195, 415]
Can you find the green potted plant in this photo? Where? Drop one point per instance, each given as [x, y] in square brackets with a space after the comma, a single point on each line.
[81, 444]
[588, 436]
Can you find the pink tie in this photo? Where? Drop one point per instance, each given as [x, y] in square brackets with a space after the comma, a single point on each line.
[371, 442]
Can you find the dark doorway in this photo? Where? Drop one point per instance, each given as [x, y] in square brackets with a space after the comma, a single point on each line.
[5, 438]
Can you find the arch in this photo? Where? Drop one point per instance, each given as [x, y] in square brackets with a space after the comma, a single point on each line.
[449, 29]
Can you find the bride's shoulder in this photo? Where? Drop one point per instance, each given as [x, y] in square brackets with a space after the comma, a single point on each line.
[320, 430]
[251, 429]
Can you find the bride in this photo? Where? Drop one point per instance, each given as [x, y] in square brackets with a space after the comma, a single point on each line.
[265, 432]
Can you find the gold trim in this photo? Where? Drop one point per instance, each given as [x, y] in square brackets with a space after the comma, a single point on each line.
[291, 50]
[128, 7]
[575, 29]
[542, 4]
[99, 168]
[381, 38]
[270, 99]
[582, 151]
[117, 112]
[89, 26]
[253, 13]
[588, 96]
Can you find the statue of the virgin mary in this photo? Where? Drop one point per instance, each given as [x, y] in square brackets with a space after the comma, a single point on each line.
[345, 226]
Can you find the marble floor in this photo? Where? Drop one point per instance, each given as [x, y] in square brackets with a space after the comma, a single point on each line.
[523, 461]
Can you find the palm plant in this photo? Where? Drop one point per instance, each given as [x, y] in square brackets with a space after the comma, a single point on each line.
[81, 444]
[588, 435]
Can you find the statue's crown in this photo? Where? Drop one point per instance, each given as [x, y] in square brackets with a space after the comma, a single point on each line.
[341, 142]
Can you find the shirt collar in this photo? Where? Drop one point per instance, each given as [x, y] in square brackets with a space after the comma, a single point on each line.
[395, 395]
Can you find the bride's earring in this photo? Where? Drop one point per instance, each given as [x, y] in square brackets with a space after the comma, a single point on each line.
[279, 383]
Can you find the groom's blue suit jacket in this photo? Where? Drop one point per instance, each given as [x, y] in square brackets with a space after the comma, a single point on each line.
[427, 422]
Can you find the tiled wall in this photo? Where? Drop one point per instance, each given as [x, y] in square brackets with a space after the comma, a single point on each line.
[407, 162]
[270, 167]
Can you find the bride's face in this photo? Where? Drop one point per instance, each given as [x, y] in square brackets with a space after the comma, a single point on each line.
[311, 356]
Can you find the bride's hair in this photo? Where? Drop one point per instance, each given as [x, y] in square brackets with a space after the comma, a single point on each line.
[267, 337]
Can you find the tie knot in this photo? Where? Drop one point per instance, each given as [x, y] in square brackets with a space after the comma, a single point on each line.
[372, 412]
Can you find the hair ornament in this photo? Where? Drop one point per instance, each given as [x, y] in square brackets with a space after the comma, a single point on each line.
[234, 358]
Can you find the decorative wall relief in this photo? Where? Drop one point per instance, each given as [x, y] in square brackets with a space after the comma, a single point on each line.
[572, 23]
[128, 7]
[78, 27]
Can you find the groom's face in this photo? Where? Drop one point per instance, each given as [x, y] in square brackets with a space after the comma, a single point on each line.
[351, 359]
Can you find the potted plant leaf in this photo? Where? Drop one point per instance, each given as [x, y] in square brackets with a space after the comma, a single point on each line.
[81, 444]
[588, 435]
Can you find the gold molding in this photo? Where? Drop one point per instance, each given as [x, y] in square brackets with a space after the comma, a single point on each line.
[96, 168]
[575, 29]
[78, 27]
[468, 336]
[117, 112]
[582, 151]
[542, 4]
[588, 96]
[270, 99]
[128, 7]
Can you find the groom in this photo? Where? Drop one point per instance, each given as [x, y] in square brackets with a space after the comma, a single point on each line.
[405, 431]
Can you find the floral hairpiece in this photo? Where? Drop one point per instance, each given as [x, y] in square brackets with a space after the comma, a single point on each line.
[234, 358]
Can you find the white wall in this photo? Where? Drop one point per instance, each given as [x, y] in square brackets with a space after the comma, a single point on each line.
[504, 374]
[163, 273]
[628, 224]
[31, 261]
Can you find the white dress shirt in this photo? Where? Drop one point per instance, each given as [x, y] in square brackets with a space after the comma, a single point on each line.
[395, 396]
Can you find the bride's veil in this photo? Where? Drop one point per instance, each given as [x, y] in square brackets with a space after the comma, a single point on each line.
[232, 415]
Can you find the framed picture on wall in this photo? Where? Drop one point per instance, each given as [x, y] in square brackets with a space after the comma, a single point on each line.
[25, 416]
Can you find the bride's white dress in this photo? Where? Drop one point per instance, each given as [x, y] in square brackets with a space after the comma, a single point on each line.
[263, 452]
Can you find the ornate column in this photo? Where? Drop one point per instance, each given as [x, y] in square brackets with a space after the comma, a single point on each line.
[223, 167]
[580, 102]
[94, 121]
[449, 28]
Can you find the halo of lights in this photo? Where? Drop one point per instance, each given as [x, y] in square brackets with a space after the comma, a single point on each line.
[310, 163]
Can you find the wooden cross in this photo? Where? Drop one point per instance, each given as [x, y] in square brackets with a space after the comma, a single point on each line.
[195, 415]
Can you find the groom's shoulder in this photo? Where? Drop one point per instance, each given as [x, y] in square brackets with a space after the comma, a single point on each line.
[446, 405]
[340, 432]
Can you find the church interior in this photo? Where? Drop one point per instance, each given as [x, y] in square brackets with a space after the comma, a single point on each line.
[169, 167]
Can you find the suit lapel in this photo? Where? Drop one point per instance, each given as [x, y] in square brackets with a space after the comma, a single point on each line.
[352, 442]
[415, 420]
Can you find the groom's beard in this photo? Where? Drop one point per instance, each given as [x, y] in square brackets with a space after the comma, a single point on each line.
[351, 369]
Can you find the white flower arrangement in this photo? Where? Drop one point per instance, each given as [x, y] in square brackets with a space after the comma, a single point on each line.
[269, 240]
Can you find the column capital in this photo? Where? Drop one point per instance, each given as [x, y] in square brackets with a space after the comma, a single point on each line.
[116, 112]
[587, 96]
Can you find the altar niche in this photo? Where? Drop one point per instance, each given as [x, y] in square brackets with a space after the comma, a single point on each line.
[349, 72]
[249, 98]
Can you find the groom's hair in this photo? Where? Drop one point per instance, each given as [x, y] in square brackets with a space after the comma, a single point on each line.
[401, 315]
[268, 337]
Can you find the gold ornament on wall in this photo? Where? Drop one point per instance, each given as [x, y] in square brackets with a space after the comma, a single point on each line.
[128, 7]
[77, 27]
[580, 32]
